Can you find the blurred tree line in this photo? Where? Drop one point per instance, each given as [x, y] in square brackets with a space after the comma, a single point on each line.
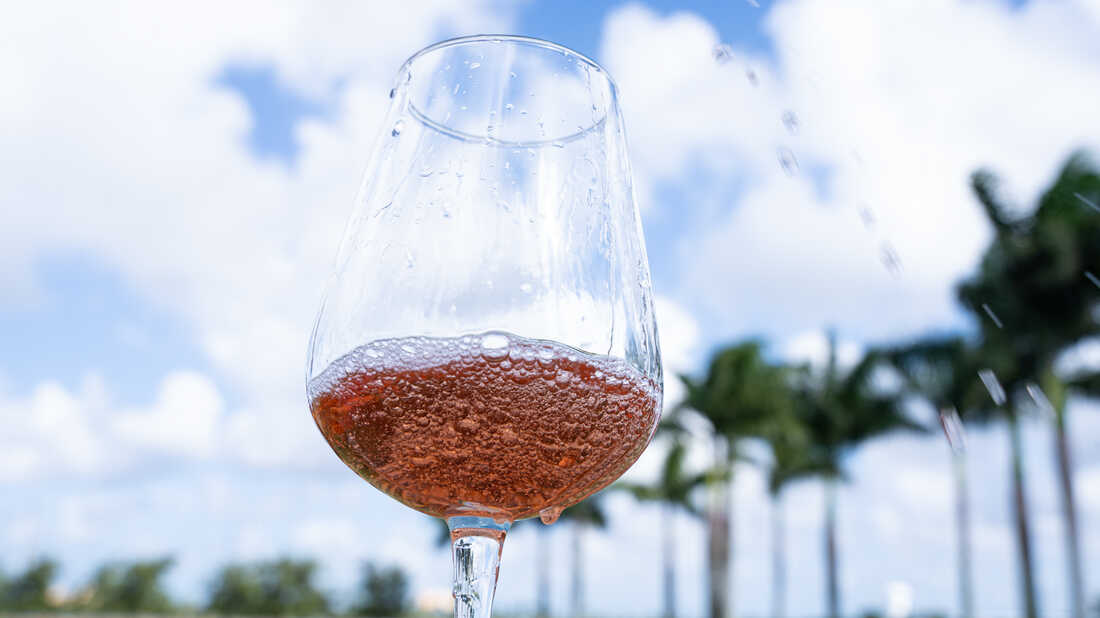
[282, 587]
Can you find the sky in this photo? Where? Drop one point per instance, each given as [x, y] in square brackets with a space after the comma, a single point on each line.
[175, 179]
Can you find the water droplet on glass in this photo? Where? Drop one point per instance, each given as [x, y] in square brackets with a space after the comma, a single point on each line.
[1091, 277]
[398, 127]
[752, 77]
[787, 161]
[992, 316]
[550, 514]
[993, 385]
[723, 53]
[1040, 398]
[494, 346]
[953, 429]
[890, 258]
[1087, 202]
[790, 120]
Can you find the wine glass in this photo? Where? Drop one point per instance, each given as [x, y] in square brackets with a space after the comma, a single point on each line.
[486, 350]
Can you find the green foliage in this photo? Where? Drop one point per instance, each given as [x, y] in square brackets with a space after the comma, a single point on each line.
[674, 487]
[1032, 276]
[128, 587]
[383, 591]
[740, 394]
[842, 410]
[588, 512]
[283, 587]
[29, 591]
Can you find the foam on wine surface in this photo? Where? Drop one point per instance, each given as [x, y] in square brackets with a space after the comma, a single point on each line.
[493, 425]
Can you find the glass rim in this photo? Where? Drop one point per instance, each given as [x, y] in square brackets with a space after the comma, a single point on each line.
[516, 39]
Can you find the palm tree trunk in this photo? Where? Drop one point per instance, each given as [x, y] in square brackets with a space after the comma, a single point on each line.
[1020, 510]
[832, 590]
[577, 601]
[1069, 513]
[542, 574]
[718, 539]
[668, 549]
[779, 559]
[962, 528]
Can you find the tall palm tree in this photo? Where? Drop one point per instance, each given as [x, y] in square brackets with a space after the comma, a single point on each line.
[943, 371]
[792, 459]
[842, 410]
[586, 514]
[1036, 277]
[740, 392]
[672, 491]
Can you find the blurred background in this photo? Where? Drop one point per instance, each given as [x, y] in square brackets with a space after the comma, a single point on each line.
[175, 178]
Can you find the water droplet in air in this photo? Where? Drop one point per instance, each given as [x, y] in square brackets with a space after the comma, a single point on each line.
[512, 74]
[1040, 399]
[787, 161]
[890, 258]
[1087, 202]
[992, 316]
[392, 92]
[494, 346]
[867, 216]
[474, 65]
[953, 429]
[508, 107]
[425, 172]
[1091, 277]
[723, 53]
[753, 3]
[993, 385]
[398, 127]
[790, 121]
[526, 288]
[550, 514]
[752, 77]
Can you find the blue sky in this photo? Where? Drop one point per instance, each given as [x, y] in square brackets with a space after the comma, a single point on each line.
[163, 237]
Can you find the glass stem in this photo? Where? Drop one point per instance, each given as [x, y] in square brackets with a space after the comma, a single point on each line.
[476, 545]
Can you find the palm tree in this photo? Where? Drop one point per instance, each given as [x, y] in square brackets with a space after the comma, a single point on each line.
[672, 491]
[792, 459]
[587, 513]
[841, 411]
[740, 392]
[943, 371]
[1035, 276]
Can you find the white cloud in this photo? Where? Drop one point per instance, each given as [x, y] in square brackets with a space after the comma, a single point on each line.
[151, 173]
[895, 123]
[184, 419]
[813, 347]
